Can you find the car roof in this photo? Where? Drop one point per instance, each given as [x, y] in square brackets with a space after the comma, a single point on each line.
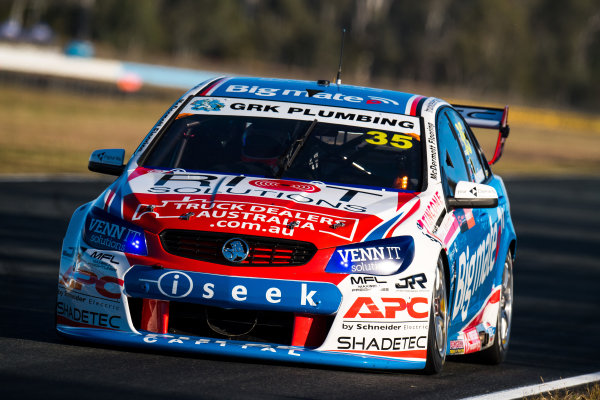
[319, 93]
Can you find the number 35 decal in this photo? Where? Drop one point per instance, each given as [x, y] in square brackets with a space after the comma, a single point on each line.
[397, 140]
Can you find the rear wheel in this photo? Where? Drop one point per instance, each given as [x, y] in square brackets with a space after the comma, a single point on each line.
[497, 353]
[437, 340]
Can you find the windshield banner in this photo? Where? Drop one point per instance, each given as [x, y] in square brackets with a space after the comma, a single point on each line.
[303, 112]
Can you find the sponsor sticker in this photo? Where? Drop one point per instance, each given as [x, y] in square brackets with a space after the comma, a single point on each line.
[457, 347]
[363, 283]
[285, 186]
[475, 264]
[412, 282]
[384, 326]
[431, 217]
[87, 317]
[106, 232]
[262, 347]
[397, 343]
[330, 196]
[388, 308]
[250, 216]
[433, 152]
[308, 112]
[377, 257]
[207, 105]
[233, 291]
[472, 341]
[78, 279]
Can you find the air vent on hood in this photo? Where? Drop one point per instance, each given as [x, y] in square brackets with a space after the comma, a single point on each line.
[207, 246]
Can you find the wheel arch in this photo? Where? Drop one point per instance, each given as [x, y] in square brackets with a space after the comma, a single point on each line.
[449, 276]
[512, 247]
[446, 263]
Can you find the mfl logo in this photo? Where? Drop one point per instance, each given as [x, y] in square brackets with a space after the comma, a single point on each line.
[104, 257]
[364, 280]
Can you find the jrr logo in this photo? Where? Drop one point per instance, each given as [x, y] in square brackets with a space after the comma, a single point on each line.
[413, 281]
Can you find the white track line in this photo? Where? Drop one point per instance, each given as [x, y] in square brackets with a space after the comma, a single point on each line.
[540, 388]
[49, 62]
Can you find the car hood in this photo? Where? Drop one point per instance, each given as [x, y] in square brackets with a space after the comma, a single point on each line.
[327, 215]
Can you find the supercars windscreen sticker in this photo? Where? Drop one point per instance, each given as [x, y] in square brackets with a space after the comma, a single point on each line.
[305, 112]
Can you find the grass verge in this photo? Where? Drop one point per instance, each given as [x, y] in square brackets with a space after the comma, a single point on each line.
[589, 392]
[49, 131]
[54, 132]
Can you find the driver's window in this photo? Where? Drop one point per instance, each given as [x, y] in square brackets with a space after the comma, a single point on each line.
[452, 158]
[470, 148]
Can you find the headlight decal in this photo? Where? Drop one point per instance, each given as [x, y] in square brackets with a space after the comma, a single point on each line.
[377, 257]
[105, 232]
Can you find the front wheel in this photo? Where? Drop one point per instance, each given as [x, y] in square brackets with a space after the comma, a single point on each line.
[437, 340]
[497, 353]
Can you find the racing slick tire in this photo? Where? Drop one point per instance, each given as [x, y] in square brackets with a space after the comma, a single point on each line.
[497, 352]
[437, 338]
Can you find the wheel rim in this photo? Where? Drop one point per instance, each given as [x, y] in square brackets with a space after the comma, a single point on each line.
[506, 301]
[440, 310]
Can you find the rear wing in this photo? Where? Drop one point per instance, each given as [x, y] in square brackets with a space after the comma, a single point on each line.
[489, 118]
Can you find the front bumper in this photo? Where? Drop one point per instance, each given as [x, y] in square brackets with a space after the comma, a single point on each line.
[86, 313]
[97, 287]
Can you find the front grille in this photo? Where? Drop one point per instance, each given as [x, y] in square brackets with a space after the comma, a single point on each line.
[233, 324]
[204, 321]
[207, 246]
[219, 323]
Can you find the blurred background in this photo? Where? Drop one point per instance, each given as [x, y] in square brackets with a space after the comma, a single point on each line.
[76, 75]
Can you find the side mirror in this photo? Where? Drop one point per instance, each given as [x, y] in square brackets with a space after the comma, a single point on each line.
[107, 161]
[473, 195]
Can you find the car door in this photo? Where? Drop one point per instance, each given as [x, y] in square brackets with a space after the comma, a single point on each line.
[461, 160]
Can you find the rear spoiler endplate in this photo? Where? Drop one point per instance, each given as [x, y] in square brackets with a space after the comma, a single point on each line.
[488, 118]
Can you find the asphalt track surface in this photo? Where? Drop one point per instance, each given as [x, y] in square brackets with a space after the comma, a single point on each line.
[556, 325]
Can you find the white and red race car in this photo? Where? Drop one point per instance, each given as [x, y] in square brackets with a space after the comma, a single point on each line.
[298, 221]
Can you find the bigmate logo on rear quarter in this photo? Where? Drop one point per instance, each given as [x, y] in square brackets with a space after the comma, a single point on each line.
[475, 266]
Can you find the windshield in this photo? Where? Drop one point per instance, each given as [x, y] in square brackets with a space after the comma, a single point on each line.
[290, 148]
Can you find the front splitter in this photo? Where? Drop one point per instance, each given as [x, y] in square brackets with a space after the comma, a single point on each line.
[233, 348]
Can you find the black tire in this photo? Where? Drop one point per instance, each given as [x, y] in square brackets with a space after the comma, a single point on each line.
[497, 353]
[59, 334]
[437, 338]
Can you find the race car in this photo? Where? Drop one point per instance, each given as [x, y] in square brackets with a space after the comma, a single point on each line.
[298, 221]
